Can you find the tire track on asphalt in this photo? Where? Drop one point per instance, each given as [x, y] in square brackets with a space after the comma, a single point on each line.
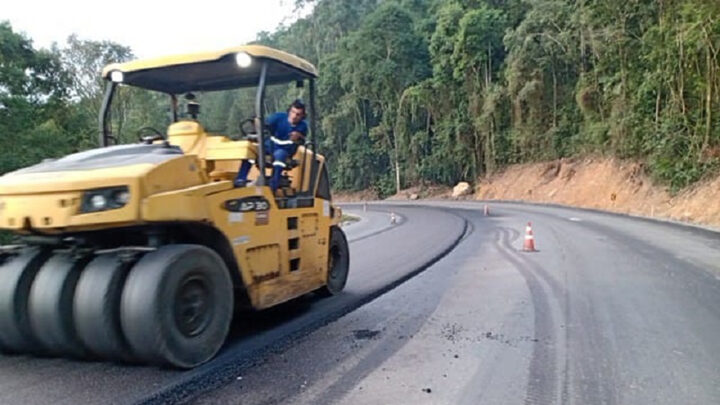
[602, 324]
[604, 350]
[588, 330]
[637, 247]
[381, 352]
[221, 370]
[581, 337]
[542, 373]
[584, 339]
[567, 312]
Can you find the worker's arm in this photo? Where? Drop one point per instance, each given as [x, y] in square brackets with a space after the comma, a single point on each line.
[272, 122]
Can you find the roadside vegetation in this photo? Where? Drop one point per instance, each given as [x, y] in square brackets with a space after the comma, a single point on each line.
[348, 219]
[430, 91]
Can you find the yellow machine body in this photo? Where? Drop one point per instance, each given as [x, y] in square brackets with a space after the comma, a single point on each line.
[163, 232]
[280, 253]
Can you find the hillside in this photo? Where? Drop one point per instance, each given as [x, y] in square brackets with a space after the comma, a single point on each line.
[607, 184]
[598, 183]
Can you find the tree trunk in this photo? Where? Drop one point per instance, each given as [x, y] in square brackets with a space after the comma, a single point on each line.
[397, 173]
[488, 79]
[708, 101]
[490, 147]
[657, 107]
[681, 81]
[554, 75]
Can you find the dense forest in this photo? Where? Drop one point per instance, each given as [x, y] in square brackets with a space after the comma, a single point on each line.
[430, 91]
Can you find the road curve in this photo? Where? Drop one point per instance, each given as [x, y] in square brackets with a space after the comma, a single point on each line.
[375, 268]
[610, 310]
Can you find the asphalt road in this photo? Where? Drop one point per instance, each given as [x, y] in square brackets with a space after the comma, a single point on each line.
[374, 269]
[611, 310]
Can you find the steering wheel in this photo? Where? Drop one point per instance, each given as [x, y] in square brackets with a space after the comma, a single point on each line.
[149, 135]
[243, 124]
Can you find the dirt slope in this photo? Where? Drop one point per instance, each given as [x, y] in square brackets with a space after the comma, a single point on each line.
[606, 184]
[600, 183]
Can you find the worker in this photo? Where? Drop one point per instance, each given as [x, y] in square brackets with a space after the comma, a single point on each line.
[287, 131]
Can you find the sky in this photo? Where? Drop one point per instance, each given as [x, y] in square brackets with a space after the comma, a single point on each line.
[149, 27]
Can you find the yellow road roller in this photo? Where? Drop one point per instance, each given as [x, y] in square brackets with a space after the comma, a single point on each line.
[141, 252]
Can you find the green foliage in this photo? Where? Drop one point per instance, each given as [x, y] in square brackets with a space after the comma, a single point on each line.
[384, 185]
[32, 90]
[5, 237]
[414, 91]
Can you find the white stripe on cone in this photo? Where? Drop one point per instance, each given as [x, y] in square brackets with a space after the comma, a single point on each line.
[529, 245]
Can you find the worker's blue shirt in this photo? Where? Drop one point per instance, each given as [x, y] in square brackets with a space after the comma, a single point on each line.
[280, 129]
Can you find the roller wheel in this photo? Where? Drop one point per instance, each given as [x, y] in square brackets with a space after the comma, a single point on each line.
[177, 305]
[16, 278]
[338, 263]
[96, 307]
[51, 305]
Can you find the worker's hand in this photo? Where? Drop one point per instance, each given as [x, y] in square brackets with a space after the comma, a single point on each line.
[297, 137]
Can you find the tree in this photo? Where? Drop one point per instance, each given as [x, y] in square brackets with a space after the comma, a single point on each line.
[84, 60]
[382, 59]
[414, 91]
[31, 94]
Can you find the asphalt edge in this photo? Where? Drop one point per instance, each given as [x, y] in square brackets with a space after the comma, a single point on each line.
[403, 221]
[212, 378]
[700, 228]
[706, 229]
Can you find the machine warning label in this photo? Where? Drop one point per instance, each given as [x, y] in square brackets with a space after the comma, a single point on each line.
[262, 218]
[235, 217]
[240, 240]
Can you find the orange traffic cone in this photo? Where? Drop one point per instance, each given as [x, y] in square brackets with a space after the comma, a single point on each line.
[529, 245]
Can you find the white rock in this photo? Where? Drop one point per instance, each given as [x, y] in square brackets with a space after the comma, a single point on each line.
[462, 188]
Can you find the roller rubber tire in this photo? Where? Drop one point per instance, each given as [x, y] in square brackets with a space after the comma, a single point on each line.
[96, 307]
[50, 306]
[338, 263]
[16, 278]
[177, 305]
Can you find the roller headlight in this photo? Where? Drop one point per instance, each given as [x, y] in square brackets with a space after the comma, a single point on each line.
[121, 196]
[243, 59]
[98, 202]
[103, 199]
[117, 76]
